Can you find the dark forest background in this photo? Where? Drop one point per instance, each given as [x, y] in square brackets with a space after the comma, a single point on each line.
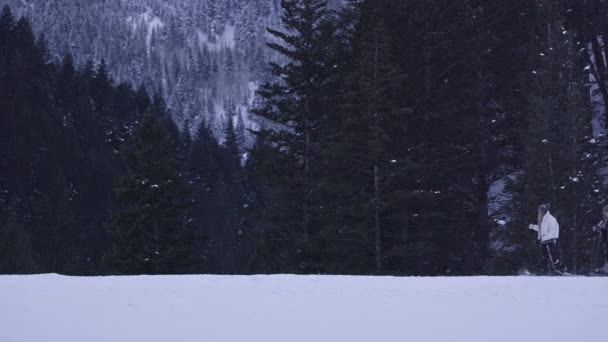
[393, 123]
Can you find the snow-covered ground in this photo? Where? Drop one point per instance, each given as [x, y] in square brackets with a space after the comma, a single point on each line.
[54, 308]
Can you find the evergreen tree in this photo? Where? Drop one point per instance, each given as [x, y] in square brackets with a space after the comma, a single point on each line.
[232, 194]
[204, 167]
[150, 232]
[295, 100]
[362, 161]
[588, 21]
[6, 25]
[271, 250]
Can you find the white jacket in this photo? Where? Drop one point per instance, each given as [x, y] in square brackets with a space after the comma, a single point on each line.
[549, 228]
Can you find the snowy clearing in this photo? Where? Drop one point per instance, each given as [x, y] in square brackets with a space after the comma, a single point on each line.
[302, 308]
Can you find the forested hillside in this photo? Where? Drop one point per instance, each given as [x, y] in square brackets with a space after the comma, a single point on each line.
[90, 167]
[399, 137]
[204, 57]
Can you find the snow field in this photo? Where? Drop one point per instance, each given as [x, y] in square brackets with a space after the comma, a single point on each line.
[56, 308]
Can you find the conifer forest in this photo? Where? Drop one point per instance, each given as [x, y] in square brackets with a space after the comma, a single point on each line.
[356, 137]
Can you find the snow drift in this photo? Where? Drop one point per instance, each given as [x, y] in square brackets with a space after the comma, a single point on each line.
[301, 308]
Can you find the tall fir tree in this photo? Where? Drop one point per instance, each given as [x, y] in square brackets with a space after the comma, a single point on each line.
[150, 228]
[362, 161]
[204, 171]
[296, 102]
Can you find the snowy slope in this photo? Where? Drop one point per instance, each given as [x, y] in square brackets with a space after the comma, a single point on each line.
[202, 56]
[301, 308]
[205, 57]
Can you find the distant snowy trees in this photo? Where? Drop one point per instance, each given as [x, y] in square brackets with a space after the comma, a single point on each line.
[192, 52]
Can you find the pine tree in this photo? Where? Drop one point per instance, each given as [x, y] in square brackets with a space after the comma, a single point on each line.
[66, 90]
[272, 250]
[6, 25]
[204, 167]
[233, 193]
[362, 161]
[6, 91]
[587, 20]
[150, 232]
[294, 100]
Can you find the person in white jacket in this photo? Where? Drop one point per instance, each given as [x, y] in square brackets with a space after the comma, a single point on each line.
[548, 234]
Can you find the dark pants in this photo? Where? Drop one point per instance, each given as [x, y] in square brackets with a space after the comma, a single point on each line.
[551, 257]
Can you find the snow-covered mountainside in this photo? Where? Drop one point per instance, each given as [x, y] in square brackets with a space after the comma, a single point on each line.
[302, 308]
[206, 57]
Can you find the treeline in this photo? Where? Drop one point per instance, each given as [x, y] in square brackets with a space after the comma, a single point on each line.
[404, 137]
[95, 178]
[418, 137]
